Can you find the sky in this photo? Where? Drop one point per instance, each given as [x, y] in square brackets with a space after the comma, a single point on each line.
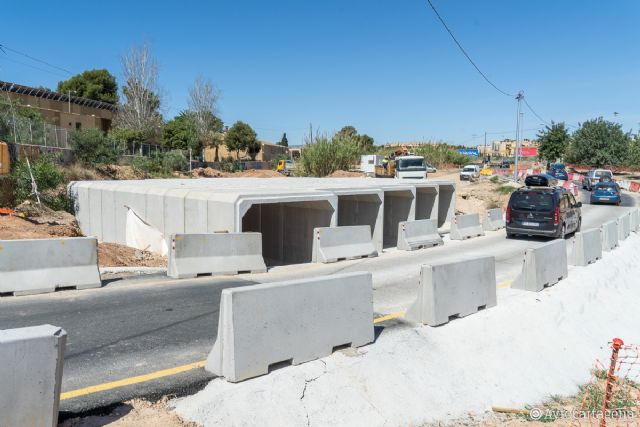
[389, 68]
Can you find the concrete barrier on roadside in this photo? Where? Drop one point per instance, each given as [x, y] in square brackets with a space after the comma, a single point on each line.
[35, 266]
[465, 227]
[454, 289]
[215, 253]
[624, 226]
[331, 244]
[306, 319]
[634, 220]
[31, 362]
[418, 234]
[586, 247]
[609, 235]
[494, 220]
[543, 266]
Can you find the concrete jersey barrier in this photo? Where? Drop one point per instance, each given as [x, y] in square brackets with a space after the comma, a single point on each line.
[418, 234]
[609, 235]
[543, 266]
[454, 289]
[331, 244]
[624, 226]
[34, 266]
[31, 362]
[586, 247]
[634, 220]
[465, 227]
[215, 253]
[294, 321]
[494, 220]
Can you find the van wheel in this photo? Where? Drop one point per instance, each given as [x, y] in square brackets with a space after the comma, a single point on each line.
[563, 232]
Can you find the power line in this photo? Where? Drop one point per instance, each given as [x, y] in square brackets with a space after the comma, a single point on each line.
[5, 47]
[34, 67]
[534, 113]
[464, 52]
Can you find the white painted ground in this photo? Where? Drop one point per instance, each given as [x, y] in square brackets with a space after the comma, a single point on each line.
[530, 346]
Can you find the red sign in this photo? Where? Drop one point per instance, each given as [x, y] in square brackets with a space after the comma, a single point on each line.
[528, 151]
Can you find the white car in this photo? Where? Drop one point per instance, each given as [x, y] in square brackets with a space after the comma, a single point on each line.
[470, 173]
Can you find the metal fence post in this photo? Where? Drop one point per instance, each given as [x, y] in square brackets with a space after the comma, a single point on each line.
[616, 344]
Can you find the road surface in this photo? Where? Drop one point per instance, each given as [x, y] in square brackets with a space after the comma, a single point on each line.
[137, 326]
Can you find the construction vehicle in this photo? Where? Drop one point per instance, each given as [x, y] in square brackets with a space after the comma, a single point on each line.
[5, 163]
[403, 165]
[285, 167]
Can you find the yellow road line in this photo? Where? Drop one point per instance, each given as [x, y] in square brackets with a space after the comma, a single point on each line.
[166, 372]
[389, 317]
[505, 284]
[131, 380]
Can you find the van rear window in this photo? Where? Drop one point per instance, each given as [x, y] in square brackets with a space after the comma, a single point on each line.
[532, 201]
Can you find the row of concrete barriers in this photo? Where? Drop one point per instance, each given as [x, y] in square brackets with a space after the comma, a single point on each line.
[547, 264]
[72, 262]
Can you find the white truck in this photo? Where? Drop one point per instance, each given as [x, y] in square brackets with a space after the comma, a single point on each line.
[403, 167]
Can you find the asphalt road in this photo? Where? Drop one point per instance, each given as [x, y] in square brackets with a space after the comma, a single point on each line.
[137, 326]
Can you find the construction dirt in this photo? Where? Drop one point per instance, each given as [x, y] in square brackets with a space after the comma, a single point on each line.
[251, 173]
[135, 413]
[477, 197]
[63, 224]
[346, 174]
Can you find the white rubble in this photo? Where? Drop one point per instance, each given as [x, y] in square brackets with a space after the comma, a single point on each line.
[528, 347]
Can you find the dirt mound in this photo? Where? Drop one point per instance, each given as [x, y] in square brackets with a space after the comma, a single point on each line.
[208, 173]
[13, 228]
[346, 174]
[121, 172]
[114, 255]
[256, 173]
[251, 173]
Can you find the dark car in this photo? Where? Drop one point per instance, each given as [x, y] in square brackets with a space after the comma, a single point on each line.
[542, 211]
[558, 171]
[606, 192]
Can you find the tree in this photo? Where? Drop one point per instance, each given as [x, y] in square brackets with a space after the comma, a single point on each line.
[326, 155]
[91, 146]
[181, 132]
[241, 137]
[365, 142]
[99, 85]
[203, 100]
[633, 158]
[553, 142]
[141, 107]
[284, 141]
[599, 142]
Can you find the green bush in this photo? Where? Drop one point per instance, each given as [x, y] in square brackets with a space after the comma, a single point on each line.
[49, 178]
[327, 155]
[91, 146]
[161, 164]
[442, 154]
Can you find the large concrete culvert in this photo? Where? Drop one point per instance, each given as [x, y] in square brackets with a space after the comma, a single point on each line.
[287, 228]
[398, 206]
[427, 202]
[446, 202]
[362, 209]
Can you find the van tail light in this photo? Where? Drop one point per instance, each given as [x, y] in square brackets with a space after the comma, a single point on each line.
[556, 216]
[508, 214]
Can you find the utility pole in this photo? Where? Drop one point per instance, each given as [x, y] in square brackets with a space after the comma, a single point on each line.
[311, 132]
[484, 153]
[519, 98]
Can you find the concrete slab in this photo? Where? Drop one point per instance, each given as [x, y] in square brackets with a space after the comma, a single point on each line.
[31, 361]
[494, 220]
[543, 266]
[220, 253]
[307, 320]
[586, 247]
[609, 235]
[466, 227]
[454, 289]
[419, 234]
[331, 244]
[33, 266]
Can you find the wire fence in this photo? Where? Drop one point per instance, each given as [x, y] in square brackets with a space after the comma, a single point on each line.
[24, 131]
[612, 397]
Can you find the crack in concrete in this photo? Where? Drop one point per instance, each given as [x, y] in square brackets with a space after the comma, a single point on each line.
[304, 389]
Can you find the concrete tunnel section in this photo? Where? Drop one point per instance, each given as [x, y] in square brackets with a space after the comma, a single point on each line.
[399, 205]
[287, 228]
[284, 210]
